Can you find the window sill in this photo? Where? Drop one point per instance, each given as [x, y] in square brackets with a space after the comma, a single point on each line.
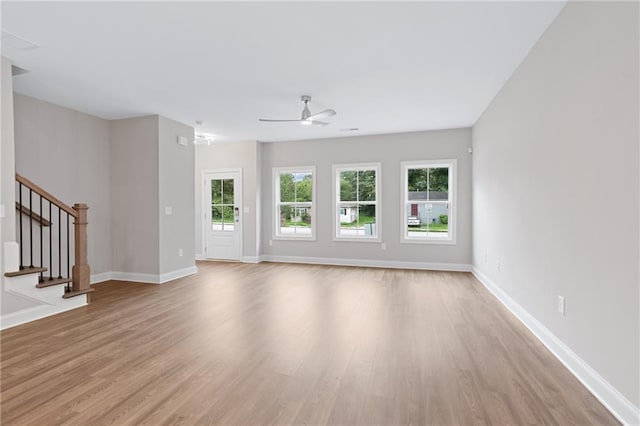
[449, 242]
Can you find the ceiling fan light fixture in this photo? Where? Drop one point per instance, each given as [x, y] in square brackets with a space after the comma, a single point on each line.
[306, 122]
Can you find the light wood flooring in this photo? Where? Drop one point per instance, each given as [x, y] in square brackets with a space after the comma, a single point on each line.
[266, 344]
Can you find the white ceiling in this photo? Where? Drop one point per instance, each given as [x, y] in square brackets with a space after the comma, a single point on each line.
[384, 67]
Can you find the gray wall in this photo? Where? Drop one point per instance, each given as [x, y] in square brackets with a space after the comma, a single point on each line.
[562, 131]
[7, 194]
[8, 302]
[67, 153]
[389, 150]
[176, 169]
[242, 155]
[135, 196]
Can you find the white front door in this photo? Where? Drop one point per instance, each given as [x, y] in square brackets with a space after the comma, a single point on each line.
[223, 215]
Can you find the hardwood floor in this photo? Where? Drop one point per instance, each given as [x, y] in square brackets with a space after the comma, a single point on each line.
[289, 344]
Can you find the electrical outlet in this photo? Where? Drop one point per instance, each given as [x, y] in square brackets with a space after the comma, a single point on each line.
[180, 252]
[270, 242]
[498, 265]
[383, 246]
[561, 305]
[486, 257]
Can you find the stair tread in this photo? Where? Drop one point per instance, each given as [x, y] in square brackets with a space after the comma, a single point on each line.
[25, 271]
[56, 281]
[70, 294]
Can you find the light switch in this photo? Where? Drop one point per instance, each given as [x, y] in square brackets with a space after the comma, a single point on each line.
[2, 212]
[168, 210]
[246, 210]
[182, 140]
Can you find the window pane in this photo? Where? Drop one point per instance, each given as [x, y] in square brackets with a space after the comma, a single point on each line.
[227, 191]
[348, 184]
[216, 218]
[417, 181]
[367, 185]
[357, 221]
[427, 220]
[216, 191]
[227, 218]
[295, 220]
[439, 184]
[304, 186]
[287, 188]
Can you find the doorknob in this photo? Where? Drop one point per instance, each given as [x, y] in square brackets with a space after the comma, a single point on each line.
[236, 213]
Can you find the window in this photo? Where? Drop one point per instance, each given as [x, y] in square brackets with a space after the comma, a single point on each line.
[294, 190]
[356, 195]
[428, 211]
[222, 204]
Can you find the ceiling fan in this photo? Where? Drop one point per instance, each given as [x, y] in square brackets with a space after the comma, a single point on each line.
[306, 117]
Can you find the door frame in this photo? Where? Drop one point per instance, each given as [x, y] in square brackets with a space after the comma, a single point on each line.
[203, 207]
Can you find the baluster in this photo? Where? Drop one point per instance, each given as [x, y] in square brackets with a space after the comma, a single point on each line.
[41, 279]
[68, 257]
[20, 224]
[31, 227]
[59, 242]
[50, 242]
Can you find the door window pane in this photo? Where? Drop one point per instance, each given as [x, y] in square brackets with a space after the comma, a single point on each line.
[227, 191]
[216, 191]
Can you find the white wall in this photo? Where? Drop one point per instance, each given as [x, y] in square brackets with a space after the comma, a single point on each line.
[67, 153]
[135, 195]
[389, 150]
[176, 169]
[561, 137]
[242, 155]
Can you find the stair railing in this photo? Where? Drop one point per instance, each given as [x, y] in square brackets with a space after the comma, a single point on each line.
[78, 276]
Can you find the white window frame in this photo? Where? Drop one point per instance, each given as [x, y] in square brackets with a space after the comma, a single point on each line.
[452, 164]
[277, 171]
[336, 170]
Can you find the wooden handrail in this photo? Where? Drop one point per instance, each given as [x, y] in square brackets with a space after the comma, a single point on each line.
[46, 195]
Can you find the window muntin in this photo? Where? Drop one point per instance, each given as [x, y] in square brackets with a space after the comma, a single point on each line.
[294, 203]
[428, 207]
[356, 197]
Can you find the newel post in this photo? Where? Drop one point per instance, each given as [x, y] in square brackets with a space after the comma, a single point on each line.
[80, 272]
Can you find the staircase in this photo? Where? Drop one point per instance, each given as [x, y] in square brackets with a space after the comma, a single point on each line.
[40, 266]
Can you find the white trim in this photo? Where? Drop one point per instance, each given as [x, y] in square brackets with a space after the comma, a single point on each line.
[367, 263]
[153, 278]
[452, 164]
[31, 314]
[98, 278]
[206, 195]
[276, 172]
[135, 277]
[250, 259]
[609, 396]
[179, 273]
[335, 192]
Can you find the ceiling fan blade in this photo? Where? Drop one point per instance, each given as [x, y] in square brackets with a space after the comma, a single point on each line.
[320, 123]
[322, 114]
[276, 121]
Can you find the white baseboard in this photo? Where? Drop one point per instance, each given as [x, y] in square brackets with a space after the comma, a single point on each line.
[31, 314]
[98, 278]
[250, 259]
[174, 275]
[393, 264]
[199, 256]
[153, 278]
[609, 396]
